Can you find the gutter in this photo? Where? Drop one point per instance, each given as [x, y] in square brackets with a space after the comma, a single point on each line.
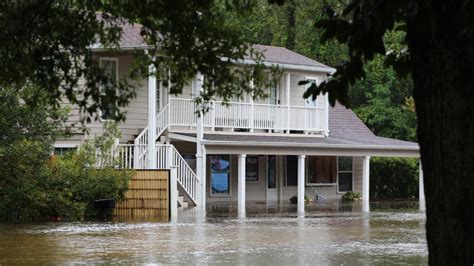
[328, 70]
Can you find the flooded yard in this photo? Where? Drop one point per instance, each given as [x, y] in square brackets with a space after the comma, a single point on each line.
[330, 233]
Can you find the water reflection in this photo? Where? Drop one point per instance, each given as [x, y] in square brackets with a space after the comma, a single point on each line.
[329, 233]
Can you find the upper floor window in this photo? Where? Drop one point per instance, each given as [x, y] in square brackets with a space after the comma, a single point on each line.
[110, 67]
[320, 100]
[273, 93]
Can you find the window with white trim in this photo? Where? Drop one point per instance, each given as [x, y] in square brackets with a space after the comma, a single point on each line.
[344, 174]
[61, 150]
[320, 100]
[110, 67]
[321, 170]
[220, 175]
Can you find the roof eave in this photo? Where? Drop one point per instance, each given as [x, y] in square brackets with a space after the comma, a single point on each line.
[287, 66]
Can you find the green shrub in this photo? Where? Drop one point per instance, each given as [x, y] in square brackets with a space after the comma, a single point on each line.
[394, 177]
[294, 199]
[36, 186]
[23, 165]
[77, 185]
[350, 196]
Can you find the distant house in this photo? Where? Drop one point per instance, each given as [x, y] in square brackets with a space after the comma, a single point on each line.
[266, 150]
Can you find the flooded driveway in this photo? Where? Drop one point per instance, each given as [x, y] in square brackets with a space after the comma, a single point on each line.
[330, 233]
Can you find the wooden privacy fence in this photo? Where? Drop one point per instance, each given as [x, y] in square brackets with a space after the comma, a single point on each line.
[148, 196]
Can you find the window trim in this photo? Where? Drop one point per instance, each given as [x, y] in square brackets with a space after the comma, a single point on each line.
[116, 60]
[352, 171]
[64, 145]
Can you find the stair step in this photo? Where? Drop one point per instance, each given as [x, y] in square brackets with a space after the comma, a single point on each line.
[181, 202]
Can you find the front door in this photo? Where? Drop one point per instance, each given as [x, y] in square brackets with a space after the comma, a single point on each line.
[272, 193]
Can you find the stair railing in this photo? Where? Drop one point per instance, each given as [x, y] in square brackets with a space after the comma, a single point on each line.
[168, 156]
[140, 152]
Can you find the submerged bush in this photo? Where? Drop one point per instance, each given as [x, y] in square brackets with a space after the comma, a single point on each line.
[36, 186]
[75, 185]
[394, 177]
[350, 196]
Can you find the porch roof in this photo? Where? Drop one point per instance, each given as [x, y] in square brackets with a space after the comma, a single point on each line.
[348, 136]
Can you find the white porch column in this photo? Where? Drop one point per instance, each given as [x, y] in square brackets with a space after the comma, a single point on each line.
[174, 192]
[203, 177]
[421, 190]
[252, 108]
[200, 135]
[326, 115]
[151, 118]
[288, 85]
[365, 183]
[301, 183]
[241, 185]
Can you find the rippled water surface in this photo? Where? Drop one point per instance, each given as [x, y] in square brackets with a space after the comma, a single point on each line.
[330, 233]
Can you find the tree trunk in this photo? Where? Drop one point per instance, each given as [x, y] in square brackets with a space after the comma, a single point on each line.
[291, 33]
[443, 72]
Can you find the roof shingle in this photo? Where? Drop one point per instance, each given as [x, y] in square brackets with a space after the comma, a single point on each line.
[131, 38]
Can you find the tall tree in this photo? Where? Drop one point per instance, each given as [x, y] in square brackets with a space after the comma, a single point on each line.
[47, 44]
[291, 35]
[440, 57]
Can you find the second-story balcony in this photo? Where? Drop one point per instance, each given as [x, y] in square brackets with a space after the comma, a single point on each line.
[245, 116]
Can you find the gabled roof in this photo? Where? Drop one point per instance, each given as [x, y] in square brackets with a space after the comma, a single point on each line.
[281, 55]
[131, 38]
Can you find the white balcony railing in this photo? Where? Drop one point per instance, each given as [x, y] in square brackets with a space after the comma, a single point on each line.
[182, 112]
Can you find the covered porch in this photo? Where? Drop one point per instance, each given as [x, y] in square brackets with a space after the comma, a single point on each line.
[274, 168]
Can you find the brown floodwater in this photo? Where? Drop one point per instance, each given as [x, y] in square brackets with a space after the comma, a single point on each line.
[270, 234]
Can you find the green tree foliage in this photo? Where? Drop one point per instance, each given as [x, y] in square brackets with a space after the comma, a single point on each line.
[381, 99]
[393, 177]
[438, 56]
[35, 186]
[48, 44]
[272, 25]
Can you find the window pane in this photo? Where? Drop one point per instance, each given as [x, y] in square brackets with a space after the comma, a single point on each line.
[64, 150]
[251, 168]
[345, 163]
[321, 170]
[220, 174]
[271, 170]
[110, 69]
[220, 163]
[220, 183]
[345, 182]
[291, 170]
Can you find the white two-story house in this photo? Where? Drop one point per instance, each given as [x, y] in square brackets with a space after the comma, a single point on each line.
[266, 150]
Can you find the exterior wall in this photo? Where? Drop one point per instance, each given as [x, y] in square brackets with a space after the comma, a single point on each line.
[257, 191]
[357, 174]
[136, 118]
[136, 111]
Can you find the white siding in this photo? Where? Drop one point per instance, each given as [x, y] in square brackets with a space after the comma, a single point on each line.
[136, 111]
[357, 174]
